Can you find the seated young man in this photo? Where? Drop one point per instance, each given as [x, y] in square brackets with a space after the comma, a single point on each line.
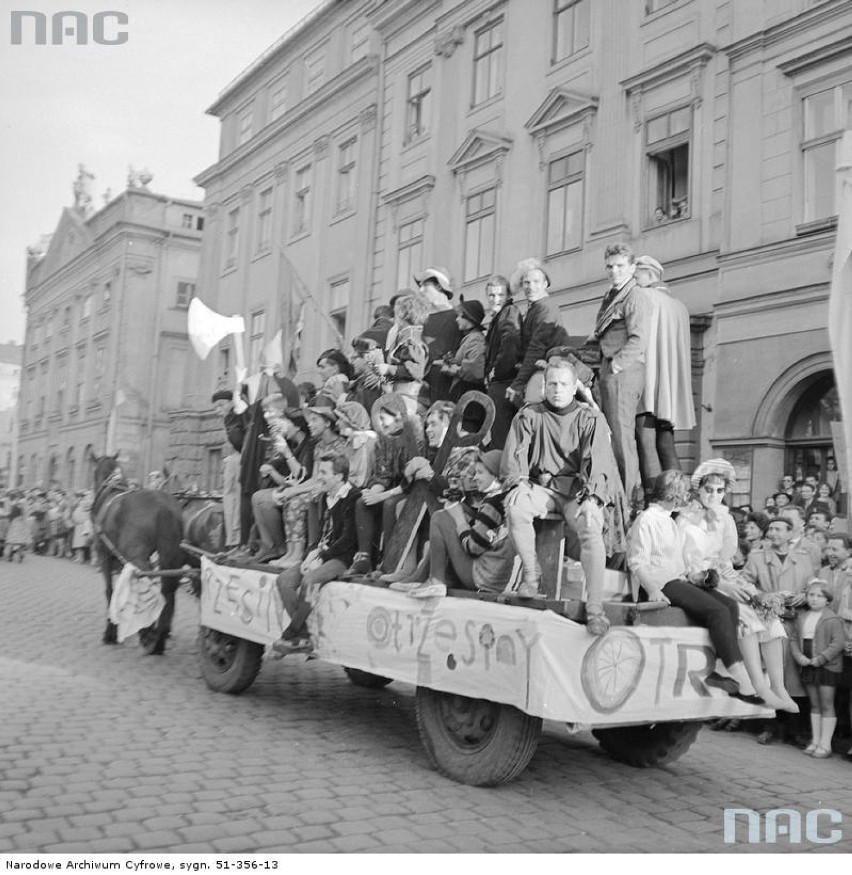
[558, 459]
[329, 557]
[469, 544]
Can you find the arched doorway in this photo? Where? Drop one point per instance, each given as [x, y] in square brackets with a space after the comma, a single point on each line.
[808, 437]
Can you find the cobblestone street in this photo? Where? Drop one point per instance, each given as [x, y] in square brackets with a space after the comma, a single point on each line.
[104, 749]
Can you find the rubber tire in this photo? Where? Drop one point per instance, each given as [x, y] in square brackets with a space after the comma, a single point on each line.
[654, 744]
[366, 679]
[238, 664]
[504, 752]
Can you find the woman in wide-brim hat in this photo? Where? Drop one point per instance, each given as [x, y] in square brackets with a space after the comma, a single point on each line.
[710, 542]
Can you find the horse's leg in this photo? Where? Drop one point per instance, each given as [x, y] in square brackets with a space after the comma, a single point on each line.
[107, 560]
[168, 586]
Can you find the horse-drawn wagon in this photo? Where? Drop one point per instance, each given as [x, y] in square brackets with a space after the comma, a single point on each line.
[487, 669]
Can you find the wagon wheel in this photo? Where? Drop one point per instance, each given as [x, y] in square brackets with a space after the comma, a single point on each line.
[228, 664]
[611, 669]
[475, 741]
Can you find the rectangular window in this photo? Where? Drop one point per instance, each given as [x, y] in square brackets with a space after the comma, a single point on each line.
[338, 305]
[417, 103]
[199, 224]
[48, 327]
[244, 125]
[80, 396]
[570, 27]
[97, 382]
[232, 240]
[826, 115]
[258, 329]
[314, 70]
[667, 150]
[186, 220]
[346, 177]
[410, 253]
[277, 101]
[302, 205]
[360, 42]
[107, 299]
[214, 469]
[480, 224]
[488, 62]
[86, 309]
[61, 382]
[185, 293]
[264, 221]
[66, 318]
[565, 182]
[224, 362]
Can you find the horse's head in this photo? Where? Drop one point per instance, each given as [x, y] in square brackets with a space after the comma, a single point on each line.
[106, 468]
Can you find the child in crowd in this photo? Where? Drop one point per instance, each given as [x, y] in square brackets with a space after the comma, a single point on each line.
[817, 647]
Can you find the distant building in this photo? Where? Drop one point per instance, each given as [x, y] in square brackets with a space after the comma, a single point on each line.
[10, 379]
[381, 136]
[106, 347]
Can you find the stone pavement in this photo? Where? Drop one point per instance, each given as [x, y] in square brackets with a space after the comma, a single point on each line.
[106, 749]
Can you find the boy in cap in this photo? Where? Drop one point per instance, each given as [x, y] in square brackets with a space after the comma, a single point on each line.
[467, 366]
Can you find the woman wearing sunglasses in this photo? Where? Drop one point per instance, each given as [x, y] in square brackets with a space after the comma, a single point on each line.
[710, 543]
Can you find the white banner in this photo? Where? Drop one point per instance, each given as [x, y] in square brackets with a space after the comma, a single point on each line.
[542, 663]
[136, 602]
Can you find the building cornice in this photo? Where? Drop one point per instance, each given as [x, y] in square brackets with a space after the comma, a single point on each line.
[791, 27]
[818, 56]
[772, 251]
[409, 190]
[341, 83]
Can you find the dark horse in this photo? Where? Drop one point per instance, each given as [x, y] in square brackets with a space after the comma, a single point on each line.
[130, 526]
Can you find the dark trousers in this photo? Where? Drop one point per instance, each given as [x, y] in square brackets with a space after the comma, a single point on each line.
[713, 610]
[655, 444]
[367, 521]
[504, 413]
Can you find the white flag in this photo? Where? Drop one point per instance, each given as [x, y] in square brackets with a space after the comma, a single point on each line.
[206, 327]
[840, 302]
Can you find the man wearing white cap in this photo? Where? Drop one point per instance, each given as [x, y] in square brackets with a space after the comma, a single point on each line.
[666, 403]
[440, 331]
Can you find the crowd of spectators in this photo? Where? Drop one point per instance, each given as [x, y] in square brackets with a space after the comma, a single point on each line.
[52, 522]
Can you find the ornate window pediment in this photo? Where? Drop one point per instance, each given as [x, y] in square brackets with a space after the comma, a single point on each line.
[479, 147]
[559, 109]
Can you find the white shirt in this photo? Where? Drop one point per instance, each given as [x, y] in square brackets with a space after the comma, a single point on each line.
[655, 548]
[809, 624]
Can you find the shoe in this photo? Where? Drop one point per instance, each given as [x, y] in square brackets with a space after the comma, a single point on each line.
[717, 725]
[765, 737]
[748, 699]
[266, 554]
[848, 756]
[597, 624]
[732, 725]
[720, 682]
[403, 586]
[529, 590]
[429, 589]
[809, 750]
[821, 754]
[286, 646]
[361, 564]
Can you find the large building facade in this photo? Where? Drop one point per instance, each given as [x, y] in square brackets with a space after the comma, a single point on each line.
[106, 340]
[381, 136]
[11, 354]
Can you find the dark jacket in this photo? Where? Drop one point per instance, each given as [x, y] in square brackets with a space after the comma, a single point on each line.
[538, 330]
[342, 540]
[503, 344]
[235, 429]
[829, 640]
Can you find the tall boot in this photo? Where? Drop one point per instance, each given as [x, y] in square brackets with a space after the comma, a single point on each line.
[823, 752]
